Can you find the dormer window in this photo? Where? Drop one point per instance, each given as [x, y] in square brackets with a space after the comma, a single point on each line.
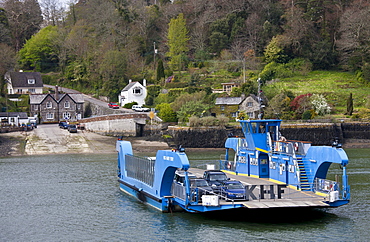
[66, 104]
[31, 81]
[137, 91]
[49, 105]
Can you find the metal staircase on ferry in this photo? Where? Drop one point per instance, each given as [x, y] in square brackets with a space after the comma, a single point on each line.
[305, 186]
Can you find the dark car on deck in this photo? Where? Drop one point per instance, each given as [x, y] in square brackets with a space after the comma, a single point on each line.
[200, 187]
[233, 190]
[63, 125]
[215, 179]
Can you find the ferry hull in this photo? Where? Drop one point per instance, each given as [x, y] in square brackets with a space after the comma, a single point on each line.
[143, 196]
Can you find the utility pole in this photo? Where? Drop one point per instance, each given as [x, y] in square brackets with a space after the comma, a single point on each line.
[155, 52]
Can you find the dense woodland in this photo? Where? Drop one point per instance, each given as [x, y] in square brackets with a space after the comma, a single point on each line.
[189, 47]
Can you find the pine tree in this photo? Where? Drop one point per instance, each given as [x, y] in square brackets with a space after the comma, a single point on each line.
[160, 70]
[349, 105]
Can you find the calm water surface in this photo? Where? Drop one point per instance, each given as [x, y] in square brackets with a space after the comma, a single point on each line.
[76, 198]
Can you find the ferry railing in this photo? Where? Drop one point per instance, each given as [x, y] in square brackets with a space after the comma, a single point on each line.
[291, 147]
[266, 192]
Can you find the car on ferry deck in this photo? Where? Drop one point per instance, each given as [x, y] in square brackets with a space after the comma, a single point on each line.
[215, 178]
[202, 185]
[233, 190]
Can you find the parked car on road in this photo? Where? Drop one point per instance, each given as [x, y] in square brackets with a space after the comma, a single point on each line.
[63, 125]
[113, 105]
[233, 190]
[215, 178]
[139, 108]
[72, 128]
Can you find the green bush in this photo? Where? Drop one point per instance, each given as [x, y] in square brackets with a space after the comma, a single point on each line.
[129, 105]
[223, 120]
[194, 121]
[209, 121]
[306, 115]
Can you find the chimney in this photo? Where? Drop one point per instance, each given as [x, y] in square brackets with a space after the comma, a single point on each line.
[144, 82]
[56, 92]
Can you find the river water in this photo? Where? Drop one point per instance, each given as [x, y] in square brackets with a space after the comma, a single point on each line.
[76, 198]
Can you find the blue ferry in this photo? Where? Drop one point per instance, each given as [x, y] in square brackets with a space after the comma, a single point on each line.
[277, 173]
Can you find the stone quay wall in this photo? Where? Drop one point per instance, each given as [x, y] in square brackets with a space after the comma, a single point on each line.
[317, 134]
[125, 124]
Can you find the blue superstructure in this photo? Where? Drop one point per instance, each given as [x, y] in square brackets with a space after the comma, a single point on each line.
[265, 153]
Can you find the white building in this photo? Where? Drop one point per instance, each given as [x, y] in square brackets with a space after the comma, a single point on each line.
[133, 92]
[24, 82]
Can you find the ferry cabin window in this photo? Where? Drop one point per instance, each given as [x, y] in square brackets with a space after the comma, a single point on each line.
[262, 128]
[253, 127]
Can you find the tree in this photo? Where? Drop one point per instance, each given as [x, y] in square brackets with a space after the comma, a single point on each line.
[349, 105]
[7, 62]
[192, 108]
[274, 51]
[53, 12]
[177, 41]
[39, 52]
[24, 20]
[160, 70]
[166, 113]
[4, 28]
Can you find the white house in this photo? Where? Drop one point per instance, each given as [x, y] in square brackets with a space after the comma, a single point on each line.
[133, 92]
[24, 82]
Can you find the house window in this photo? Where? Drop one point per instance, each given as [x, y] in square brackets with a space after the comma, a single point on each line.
[250, 114]
[19, 90]
[35, 107]
[49, 115]
[222, 107]
[66, 104]
[234, 114]
[49, 105]
[66, 115]
[250, 104]
[137, 91]
[31, 81]
[31, 90]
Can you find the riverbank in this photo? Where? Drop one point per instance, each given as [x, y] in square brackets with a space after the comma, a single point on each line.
[50, 139]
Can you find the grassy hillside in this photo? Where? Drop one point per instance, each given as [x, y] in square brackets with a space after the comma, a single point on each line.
[335, 86]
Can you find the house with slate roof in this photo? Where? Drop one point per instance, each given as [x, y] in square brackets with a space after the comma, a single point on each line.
[14, 118]
[231, 106]
[24, 82]
[57, 107]
[133, 92]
